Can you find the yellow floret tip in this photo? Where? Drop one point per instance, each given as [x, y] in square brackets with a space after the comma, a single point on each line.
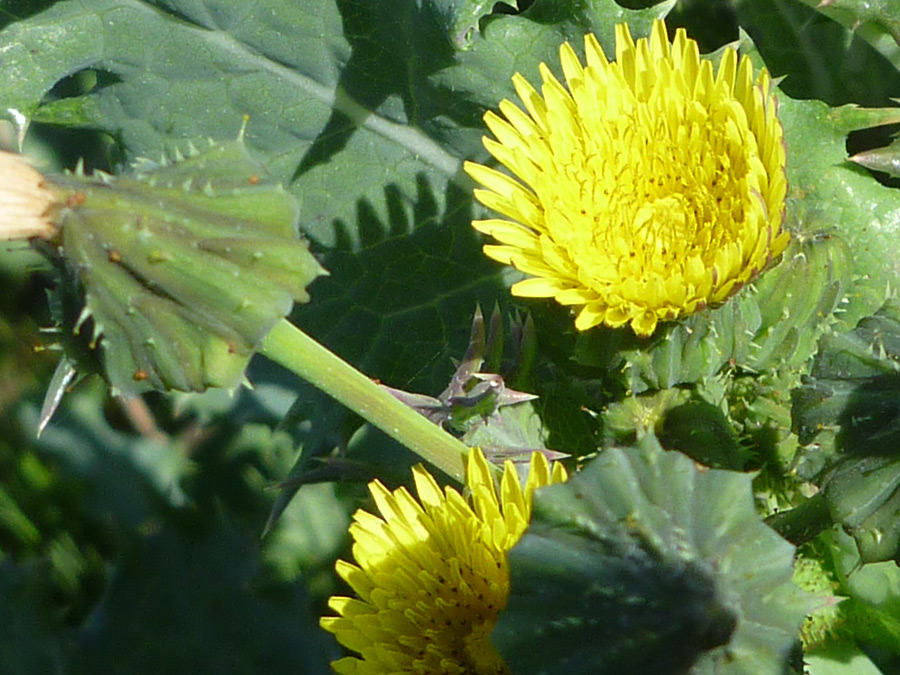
[643, 190]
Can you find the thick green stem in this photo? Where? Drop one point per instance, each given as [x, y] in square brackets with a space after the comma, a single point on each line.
[292, 348]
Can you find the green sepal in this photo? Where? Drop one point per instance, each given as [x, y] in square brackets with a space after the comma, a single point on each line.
[678, 353]
[774, 323]
[184, 266]
[682, 421]
[645, 562]
[759, 406]
[798, 299]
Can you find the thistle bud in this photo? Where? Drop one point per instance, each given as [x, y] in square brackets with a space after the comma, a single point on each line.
[181, 268]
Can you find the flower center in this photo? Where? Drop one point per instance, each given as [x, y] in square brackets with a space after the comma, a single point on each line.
[661, 182]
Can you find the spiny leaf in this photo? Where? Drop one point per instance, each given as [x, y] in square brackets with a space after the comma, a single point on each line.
[861, 211]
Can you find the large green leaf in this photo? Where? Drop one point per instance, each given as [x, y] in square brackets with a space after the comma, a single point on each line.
[646, 563]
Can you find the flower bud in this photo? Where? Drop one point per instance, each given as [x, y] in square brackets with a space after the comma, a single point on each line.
[183, 267]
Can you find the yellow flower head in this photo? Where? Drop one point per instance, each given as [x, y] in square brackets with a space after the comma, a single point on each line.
[432, 575]
[648, 189]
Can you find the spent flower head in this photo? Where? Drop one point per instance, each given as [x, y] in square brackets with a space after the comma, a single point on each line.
[647, 189]
[28, 208]
[432, 574]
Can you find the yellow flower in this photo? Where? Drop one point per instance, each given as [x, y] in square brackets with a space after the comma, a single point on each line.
[647, 190]
[432, 575]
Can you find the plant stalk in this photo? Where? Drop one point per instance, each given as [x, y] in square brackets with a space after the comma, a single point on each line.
[290, 347]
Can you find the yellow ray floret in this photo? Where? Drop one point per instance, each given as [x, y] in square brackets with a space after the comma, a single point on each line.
[644, 189]
[431, 574]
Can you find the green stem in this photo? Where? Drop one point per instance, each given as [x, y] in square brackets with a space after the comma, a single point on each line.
[295, 350]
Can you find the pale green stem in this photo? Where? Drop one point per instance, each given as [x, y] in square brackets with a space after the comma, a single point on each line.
[295, 350]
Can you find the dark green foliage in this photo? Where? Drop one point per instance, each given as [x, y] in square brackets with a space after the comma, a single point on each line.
[185, 267]
[190, 589]
[702, 431]
[847, 413]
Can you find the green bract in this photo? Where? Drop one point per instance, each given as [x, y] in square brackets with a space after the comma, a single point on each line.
[184, 266]
[644, 562]
[847, 416]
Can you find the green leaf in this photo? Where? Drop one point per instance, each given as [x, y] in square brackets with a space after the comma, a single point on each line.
[848, 414]
[180, 603]
[851, 385]
[128, 475]
[863, 494]
[839, 660]
[463, 18]
[871, 611]
[518, 43]
[645, 563]
[876, 21]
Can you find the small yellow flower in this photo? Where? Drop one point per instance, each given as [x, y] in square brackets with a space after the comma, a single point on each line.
[27, 206]
[432, 575]
[648, 189]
